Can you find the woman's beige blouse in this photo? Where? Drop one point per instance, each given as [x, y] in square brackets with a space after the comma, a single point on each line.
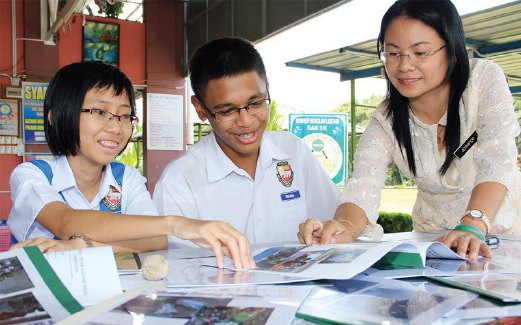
[486, 107]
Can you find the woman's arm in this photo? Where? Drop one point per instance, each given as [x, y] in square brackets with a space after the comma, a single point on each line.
[359, 202]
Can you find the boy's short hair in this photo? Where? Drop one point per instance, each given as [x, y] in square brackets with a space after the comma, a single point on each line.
[65, 96]
[223, 57]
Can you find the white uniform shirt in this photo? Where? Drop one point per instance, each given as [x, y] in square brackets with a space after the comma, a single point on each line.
[31, 191]
[486, 107]
[205, 184]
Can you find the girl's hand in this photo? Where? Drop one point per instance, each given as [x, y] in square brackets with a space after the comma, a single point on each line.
[220, 237]
[49, 245]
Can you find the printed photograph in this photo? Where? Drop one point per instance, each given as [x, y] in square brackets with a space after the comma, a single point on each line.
[20, 309]
[169, 306]
[101, 42]
[13, 277]
[288, 259]
[231, 316]
[348, 254]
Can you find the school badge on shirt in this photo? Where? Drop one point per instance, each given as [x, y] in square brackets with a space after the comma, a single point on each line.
[285, 173]
[113, 199]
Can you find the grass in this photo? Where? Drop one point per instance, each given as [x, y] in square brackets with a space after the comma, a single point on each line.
[398, 199]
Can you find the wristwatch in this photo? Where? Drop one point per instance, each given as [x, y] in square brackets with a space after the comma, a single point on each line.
[478, 215]
[86, 240]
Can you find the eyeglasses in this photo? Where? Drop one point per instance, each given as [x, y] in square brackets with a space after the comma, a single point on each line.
[103, 117]
[232, 114]
[414, 57]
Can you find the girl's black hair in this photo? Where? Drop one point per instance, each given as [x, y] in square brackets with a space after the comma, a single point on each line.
[64, 99]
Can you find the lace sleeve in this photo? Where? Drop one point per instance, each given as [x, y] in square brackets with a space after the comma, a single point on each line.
[496, 152]
[372, 158]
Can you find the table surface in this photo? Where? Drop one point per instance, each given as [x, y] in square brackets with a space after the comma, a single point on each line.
[509, 249]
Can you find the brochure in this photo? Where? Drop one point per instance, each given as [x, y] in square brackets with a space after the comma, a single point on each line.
[128, 263]
[90, 274]
[504, 287]
[439, 267]
[348, 259]
[195, 272]
[232, 305]
[30, 290]
[481, 307]
[381, 302]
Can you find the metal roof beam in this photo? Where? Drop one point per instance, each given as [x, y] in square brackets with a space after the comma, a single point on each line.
[499, 48]
[366, 73]
[312, 67]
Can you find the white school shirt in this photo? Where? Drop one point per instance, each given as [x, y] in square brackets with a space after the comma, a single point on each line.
[205, 184]
[31, 191]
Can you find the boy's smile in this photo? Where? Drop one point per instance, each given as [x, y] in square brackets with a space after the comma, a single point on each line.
[240, 138]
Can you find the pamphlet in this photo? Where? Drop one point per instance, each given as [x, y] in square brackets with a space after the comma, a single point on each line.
[90, 274]
[230, 305]
[196, 272]
[381, 302]
[348, 259]
[30, 290]
[504, 287]
[128, 263]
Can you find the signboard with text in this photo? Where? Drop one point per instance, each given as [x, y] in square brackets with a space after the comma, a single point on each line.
[33, 96]
[326, 136]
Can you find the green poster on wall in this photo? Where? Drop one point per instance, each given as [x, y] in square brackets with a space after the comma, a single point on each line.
[326, 136]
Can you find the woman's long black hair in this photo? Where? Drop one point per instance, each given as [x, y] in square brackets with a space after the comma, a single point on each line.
[443, 17]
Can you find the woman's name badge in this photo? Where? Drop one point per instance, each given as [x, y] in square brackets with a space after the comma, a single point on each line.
[462, 150]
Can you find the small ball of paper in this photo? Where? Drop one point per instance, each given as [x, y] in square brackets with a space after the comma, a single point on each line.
[154, 267]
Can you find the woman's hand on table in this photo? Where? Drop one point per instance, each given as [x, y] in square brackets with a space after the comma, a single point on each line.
[313, 231]
[49, 245]
[466, 243]
[220, 237]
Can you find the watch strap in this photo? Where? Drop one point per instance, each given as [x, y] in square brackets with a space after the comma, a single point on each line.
[483, 217]
[87, 240]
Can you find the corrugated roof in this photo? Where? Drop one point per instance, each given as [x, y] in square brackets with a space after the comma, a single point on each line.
[493, 33]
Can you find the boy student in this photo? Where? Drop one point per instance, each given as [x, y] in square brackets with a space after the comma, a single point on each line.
[261, 182]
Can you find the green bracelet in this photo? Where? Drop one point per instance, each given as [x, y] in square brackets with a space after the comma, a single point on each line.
[470, 229]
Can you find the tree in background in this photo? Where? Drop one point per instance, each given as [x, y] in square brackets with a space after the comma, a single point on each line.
[276, 118]
[133, 154]
[364, 109]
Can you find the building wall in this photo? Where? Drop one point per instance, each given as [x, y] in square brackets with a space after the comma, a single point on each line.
[154, 53]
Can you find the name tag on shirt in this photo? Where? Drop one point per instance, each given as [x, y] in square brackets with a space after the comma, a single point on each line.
[288, 196]
[462, 150]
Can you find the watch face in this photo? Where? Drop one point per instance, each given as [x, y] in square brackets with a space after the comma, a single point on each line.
[476, 213]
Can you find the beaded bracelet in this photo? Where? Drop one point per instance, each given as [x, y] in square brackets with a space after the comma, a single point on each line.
[470, 229]
[351, 226]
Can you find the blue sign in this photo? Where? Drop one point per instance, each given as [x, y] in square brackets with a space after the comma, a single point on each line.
[326, 136]
[33, 96]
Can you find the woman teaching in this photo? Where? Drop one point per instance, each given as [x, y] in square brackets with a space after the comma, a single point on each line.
[448, 123]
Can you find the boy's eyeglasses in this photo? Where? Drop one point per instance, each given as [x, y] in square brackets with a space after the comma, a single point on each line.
[232, 114]
[392, 58]
[103, 117]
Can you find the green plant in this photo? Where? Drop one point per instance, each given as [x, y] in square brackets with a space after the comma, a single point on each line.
[275, 120]
[395, 221]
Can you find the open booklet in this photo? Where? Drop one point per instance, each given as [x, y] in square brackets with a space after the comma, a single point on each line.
[30, 290]
[343, 261]
[504, 287]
